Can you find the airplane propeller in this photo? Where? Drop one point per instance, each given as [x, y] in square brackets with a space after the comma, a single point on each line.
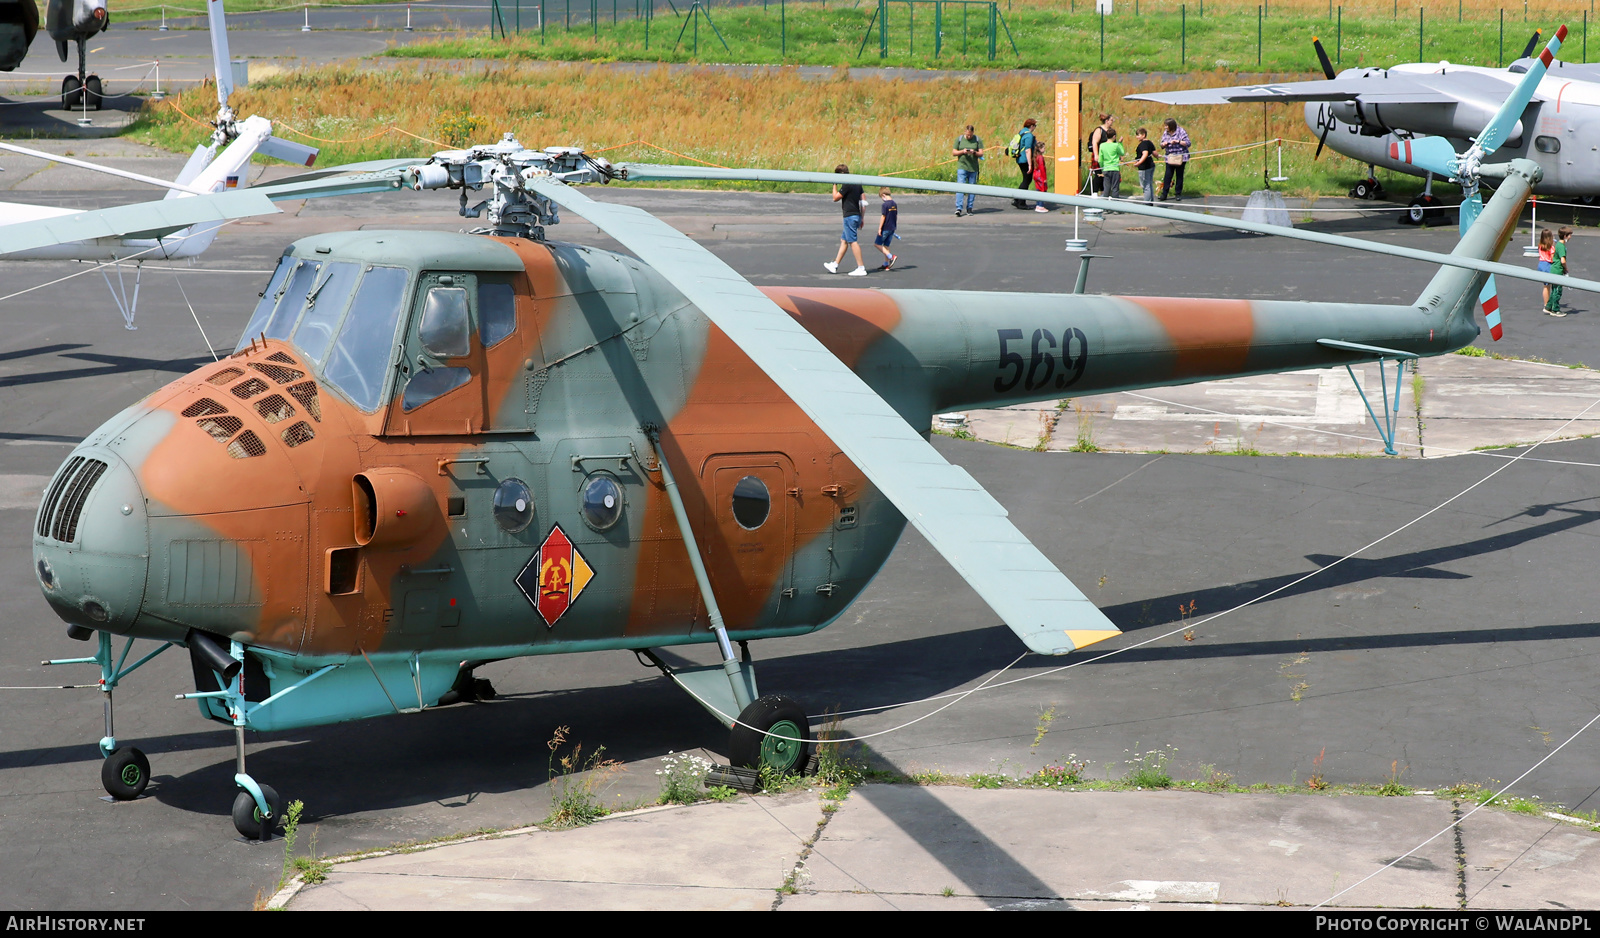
[1438, 155]
[1327, 69]
[1533, 43]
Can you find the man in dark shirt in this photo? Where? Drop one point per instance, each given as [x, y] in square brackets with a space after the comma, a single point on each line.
[849, 195]
[1144, 160]
[968, 150]
[886, 226]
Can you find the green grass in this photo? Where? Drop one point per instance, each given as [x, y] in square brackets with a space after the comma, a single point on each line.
[1155, 40]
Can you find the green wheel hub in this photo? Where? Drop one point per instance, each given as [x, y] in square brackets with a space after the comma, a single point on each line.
[131, 775]
[781, 755]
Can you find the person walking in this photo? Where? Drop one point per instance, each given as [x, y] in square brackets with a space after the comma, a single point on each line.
[1175, 145]
[968, 151]
[1021, 150]
[1111, 153]
[887, 222]
[1144, 160]
[1041, 174]
[1097, 136]
[1547, 256]
[849, 195]
[1558, 265]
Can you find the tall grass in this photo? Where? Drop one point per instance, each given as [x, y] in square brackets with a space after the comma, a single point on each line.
[773, 118]
[1047, 38]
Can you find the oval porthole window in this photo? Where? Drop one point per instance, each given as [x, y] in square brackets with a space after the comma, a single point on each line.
[1547, 144]
[601, 502]
[751, 503]
[513, 506]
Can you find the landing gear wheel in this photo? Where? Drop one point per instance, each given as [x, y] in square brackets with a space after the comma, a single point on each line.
[71, 92]
[749, 745]
[247, 819]
[125, 773]
[1415, 214]
[93, 90]
[1368, 188]
[1589, 199]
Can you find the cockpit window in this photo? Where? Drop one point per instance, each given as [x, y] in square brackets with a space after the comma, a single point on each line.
[497, 312]
[269, 299]
[359, 360]
[293, 302]
[327, 304]
[445, 326]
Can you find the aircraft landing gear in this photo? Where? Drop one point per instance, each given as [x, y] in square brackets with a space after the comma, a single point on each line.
[82, 91]
[1368, 188]
[1425, 207]
[126, 771]
[772, 734]
[257, 808]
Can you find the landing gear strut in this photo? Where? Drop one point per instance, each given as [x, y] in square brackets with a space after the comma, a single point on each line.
[1425, 207]
[82, 90]
[126, 771]
[255, 809]
[1368, 188]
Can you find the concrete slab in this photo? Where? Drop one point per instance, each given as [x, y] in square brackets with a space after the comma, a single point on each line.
[1517, 862]
[1468, 403]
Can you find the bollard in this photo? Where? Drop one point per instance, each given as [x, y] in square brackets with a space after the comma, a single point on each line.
[305, 26]
[163, 19]
[408, 18]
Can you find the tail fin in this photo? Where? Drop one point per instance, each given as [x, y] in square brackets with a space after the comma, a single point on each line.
[1456, 289]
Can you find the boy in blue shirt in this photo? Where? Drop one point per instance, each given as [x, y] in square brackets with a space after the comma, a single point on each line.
[886, 226]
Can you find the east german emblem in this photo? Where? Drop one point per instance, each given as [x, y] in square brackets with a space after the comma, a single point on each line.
[555, 576]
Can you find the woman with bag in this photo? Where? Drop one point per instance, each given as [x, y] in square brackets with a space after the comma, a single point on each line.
[1175, 144]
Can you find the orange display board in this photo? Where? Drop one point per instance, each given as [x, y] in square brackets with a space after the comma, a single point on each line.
[1069, 168]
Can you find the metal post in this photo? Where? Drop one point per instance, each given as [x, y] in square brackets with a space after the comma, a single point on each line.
[994, 12]
[1258, 35]
[938, 27]
[1102, 37]
[911, 30]
[649, 14]
[1183, 42]
[541, 22]
[883, 29]
[1502, 37]
[730, 663]
[1338, 39]
[1585, 49]
[1419, 33]
[783, 29]
[519, 16]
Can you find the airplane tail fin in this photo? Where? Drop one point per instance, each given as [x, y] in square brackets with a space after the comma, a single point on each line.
[1459, 291]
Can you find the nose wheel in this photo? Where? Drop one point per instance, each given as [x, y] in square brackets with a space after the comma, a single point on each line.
[125, 773]
[248, 818]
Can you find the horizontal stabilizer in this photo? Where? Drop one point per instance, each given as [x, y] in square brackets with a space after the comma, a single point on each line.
[288, 151]
[962, 521]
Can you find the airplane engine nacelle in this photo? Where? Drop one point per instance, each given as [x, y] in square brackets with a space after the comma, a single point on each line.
[393, 507]
[1466, 119]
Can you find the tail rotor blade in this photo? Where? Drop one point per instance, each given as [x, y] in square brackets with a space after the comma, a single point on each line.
[220, 60]
[1469, 212]
[1434, 154]
[288, 151]
[1499, 128]
[1322, 56]
[1533, 43]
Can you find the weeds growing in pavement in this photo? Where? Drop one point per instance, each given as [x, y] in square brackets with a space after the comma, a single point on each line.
[1149, 769]
[1392, 785]
[576, 782]
[1316, 782]
[683, 778]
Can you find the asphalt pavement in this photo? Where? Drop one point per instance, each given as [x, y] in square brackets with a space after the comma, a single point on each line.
[1458, 649]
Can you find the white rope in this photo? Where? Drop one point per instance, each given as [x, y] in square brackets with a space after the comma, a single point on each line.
[185, 294]
[164, 243]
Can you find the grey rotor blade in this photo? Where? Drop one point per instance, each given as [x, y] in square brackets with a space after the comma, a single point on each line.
[140, 218]
[959, 518]
[644, 171]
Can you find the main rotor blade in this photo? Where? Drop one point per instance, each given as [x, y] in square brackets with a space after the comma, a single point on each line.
[123, 173]
[124, 220]
[1434, 154]
[1499, 126]
[961, 520]
[640, 171]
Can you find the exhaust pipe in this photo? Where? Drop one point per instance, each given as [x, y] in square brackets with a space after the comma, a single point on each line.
[209, 650]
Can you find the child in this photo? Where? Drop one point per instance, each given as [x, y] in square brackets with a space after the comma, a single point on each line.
[1111, 153]
[1558, 265]
[1041, 173]
[1547, 255]
[1144, 160]
[886, 225]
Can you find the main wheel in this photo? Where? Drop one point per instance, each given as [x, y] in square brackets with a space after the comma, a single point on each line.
[93, 90]
[1589, 199]
[247, 819]
[1415, 214]
[1362, 190]
[125, 773]
[71, 92]
[783, 752]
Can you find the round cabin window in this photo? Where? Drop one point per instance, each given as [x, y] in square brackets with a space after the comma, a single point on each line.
[513, 506]
[751, 503]
[601, 502]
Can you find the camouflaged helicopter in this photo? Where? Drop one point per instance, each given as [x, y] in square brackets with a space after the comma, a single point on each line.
[433, 450]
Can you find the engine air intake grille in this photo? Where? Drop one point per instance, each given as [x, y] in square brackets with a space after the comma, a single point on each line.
[204, 407]
[249, 389]
[247, 444]
[278, 373]
[225, 375]
[298, 433]
[306, 393]
[63, 505]
[281, 357]
[221, 427]
[274, 408]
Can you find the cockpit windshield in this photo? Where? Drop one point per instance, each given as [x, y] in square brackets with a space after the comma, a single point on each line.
[340, 315]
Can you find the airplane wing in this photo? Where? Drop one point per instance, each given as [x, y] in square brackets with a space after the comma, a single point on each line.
[1390, 88]
[141, 220]
[958, 517]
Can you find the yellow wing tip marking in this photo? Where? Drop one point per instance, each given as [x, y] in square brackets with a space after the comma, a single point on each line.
[1082, 638]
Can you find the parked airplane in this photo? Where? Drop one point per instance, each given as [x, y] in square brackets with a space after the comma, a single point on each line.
[1370, 114]
[67, 21]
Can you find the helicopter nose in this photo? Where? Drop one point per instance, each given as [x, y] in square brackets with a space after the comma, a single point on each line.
[90, 542]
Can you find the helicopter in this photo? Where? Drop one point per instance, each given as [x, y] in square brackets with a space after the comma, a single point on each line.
[431, 450]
